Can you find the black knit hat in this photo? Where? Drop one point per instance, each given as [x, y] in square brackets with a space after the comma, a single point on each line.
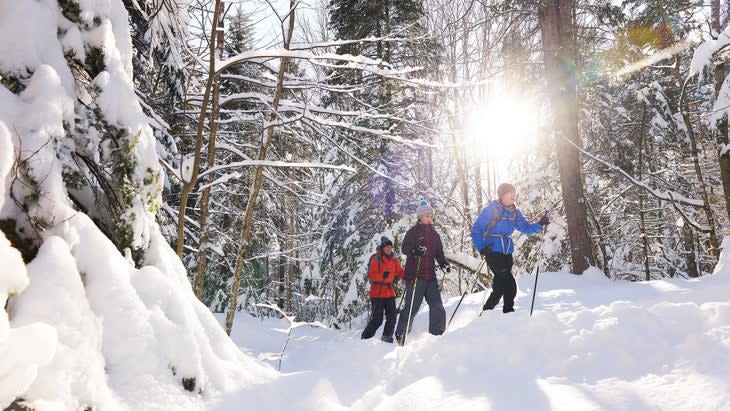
[385, 241]
[505, 188]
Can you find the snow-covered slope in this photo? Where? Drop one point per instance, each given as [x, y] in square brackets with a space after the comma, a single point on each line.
[84, 328]
[591, 344]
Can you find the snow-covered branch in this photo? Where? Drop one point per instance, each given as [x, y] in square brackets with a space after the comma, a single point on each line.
[269, 163]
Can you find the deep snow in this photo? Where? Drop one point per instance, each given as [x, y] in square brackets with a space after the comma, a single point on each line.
[591, 344]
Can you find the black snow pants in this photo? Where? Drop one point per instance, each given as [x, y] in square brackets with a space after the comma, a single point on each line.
[504, 282]
[381, 305]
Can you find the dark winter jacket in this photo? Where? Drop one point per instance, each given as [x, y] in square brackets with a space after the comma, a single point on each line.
[495, 225]
[380, 263]
[425, 235]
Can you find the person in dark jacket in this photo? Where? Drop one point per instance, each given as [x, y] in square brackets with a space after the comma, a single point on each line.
[492, 236]
[423, 248]
[383, 268]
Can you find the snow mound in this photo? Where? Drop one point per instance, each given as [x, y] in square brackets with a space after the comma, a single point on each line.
[591, 344]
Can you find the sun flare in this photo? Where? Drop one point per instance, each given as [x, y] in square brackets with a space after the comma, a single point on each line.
[503, 127]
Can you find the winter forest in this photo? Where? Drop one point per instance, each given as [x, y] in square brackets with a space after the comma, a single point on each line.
[192, 191]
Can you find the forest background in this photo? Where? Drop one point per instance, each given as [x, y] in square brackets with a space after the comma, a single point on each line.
[293, 135]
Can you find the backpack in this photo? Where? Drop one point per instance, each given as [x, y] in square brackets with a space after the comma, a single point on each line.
[370, 261]
[496, 216]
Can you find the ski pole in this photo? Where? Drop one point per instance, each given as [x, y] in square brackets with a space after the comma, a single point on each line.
[400, 304]
[537, 273]
[479, 268]
[534, 289]
[413, 297]
[484, 300]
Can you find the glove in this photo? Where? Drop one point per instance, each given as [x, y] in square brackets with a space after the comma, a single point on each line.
[386, 274]
[484, 251]
[544, 220]
[418, 251]
[445, 266]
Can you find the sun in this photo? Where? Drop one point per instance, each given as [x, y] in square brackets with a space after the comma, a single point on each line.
[503, 127]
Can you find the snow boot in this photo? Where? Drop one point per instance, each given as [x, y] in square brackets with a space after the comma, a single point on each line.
[400, 339]
[386, 338]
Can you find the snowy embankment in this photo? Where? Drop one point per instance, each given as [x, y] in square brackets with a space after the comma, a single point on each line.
[591, 344]
[82, 327]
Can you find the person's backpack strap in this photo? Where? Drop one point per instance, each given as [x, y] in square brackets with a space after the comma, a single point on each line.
[496, 214]
[374, 257]
[492, 221]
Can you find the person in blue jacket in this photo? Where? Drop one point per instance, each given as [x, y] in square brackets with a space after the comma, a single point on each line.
[492, 236]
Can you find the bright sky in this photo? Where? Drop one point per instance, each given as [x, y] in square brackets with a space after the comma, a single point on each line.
[503, 126]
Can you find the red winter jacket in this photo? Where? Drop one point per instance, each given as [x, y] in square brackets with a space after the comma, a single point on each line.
[380, 263]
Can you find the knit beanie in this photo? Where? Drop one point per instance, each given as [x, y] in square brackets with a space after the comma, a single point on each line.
[505, 188]
[384, 242]
[423, 209]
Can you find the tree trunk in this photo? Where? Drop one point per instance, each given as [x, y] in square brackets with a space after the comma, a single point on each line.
[692, 137]
[289, 262]
[479, 194]
[205, 200]
[282, 281]
[266, 137]
[688, 242]
[189, 185]
[723, 143]
[645, 252]
[559, 48]
[601, 242]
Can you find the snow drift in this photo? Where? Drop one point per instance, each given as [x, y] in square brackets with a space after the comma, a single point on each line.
[84, 327]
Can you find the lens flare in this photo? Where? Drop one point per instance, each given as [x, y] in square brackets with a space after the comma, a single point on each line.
[503, 127]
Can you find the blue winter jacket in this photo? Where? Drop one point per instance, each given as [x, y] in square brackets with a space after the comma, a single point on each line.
[499, 237]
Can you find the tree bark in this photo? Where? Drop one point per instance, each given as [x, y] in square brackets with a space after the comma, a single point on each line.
[215, 108]
[692, 137]
[688, 243]
[188, 186]
[723, 143]
[266, 137]
[559, 48]
[645, 248]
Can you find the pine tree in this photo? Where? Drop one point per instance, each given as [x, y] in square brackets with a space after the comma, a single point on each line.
[372, 201]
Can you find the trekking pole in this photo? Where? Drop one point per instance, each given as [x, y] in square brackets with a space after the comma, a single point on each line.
[400, 304]
[534, 289]
[484, 300]
[479, 268]
[537, 273]
[413, 297]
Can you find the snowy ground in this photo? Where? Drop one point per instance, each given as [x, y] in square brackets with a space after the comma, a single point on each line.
[591, 344]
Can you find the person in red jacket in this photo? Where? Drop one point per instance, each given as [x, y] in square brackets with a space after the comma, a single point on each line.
[383, 268]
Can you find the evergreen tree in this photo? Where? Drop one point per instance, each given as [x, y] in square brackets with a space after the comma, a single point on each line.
[376, 198]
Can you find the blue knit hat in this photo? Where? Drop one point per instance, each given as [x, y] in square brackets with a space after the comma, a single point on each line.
[385, 241]
[423, 209]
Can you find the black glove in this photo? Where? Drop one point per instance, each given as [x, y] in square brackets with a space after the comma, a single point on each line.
[386, 274]
[418, 251]
[544, 220]
[484, 251]
[445, 266]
